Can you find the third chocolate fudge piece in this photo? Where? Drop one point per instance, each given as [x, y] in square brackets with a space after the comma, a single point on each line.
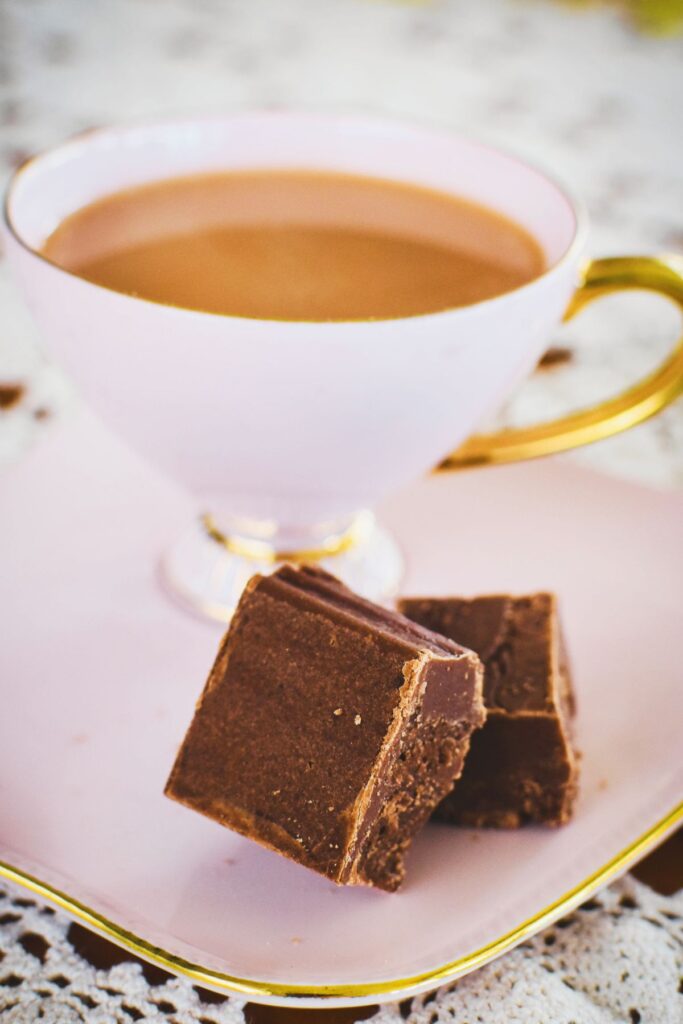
[522, 766]
[329, 728]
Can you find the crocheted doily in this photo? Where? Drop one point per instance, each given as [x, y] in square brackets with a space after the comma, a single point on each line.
[617, 959]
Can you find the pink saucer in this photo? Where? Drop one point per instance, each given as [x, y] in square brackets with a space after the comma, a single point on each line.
[99, 672]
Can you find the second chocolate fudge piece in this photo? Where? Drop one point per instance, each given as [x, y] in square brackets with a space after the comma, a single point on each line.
[329, 728]
[522, 766]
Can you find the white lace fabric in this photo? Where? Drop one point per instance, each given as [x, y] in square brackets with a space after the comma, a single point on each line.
[617, 960]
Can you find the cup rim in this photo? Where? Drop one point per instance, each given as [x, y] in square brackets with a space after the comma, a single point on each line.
[575, 204]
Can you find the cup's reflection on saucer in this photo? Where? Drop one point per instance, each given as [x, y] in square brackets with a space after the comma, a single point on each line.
[207, 568]
[290, 421]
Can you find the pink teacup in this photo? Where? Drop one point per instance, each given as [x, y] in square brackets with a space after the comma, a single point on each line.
[286, 432]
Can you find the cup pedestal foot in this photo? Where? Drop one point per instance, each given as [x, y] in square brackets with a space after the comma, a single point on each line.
[206, 572]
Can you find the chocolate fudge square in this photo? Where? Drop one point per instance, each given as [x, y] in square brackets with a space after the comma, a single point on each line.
[329, 728]
[522, 766]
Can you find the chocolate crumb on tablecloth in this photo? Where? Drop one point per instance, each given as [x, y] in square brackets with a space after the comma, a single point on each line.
[554, 357]
[11, 394]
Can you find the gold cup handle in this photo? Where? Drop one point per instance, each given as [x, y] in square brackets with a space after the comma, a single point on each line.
[663, 275]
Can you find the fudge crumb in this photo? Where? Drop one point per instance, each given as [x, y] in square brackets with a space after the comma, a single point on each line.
[42, 413]
[11, 395]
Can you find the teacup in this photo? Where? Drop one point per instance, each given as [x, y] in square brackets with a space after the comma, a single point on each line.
[287, 433]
